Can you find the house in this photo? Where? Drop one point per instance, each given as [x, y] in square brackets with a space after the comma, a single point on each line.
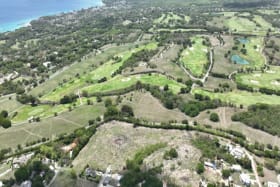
[90, 173]
[19, 161]
[210, 165]
[245, 179]
[236, 167]
[26, 184]
[272, 184]
[236, 152]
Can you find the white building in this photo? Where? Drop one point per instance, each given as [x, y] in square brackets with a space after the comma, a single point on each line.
[272, 184]
[245, 179]
[237, 168]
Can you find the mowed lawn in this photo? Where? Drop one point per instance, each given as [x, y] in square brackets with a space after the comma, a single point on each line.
[269, 79]
[195, 58]
[105, 70]
[121, 82]
[241, 97]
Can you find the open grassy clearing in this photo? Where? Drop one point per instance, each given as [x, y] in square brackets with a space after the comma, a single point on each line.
[225, 122]
[145, 106]
[241, 97]
[121, 82]
[122, 142]
[254, 55]
[9, 105]
[221, 64]
[164, 63]
[195, 58]
[105, 70]
[52, 127]
[269, 79]
[213, 82]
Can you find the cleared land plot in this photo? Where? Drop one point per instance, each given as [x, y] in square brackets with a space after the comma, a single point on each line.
[121, 143]
[269, 79]
[145, 106]
[105, 70]
[121, 82]
[241, 97]
[49, 128]
[195, 58]
[225, 122]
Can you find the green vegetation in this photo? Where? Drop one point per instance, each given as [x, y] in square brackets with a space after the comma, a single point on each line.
[121, 82]
[195, 57]
[134, 175]
[264, 117]
[240, 97]
[269, 79]
[214, 117]
[170, 154]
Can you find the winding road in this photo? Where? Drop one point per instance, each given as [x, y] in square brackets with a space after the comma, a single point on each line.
[207, 73]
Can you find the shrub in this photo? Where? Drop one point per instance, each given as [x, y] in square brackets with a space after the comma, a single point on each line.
[214, 117]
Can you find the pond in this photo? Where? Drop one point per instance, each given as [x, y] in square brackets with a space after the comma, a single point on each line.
[243, 40]
[238, 60]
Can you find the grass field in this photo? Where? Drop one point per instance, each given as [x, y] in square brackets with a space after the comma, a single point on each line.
[241, 97]
[269, 79]
[52, 127]
[92, 77]
[145, 106]
[195, 58]
[121, 82]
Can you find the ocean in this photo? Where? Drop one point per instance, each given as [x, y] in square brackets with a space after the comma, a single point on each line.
[18, 13]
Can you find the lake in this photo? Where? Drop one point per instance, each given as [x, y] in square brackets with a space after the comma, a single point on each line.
[17, 13]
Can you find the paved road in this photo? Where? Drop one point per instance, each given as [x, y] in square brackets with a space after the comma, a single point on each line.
[254, 167]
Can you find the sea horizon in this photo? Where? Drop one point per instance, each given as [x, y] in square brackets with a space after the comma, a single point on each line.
[26, 11]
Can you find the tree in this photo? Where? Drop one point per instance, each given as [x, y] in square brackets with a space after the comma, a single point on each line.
[127, 110]
[172, 153]
[4, 114]
[200, 168]
[226, 173]
[21, 174]
[108, 102]
[5, 123]
[214, 117]
[111, 111]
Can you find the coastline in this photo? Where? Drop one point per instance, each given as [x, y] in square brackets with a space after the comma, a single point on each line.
[12, 26]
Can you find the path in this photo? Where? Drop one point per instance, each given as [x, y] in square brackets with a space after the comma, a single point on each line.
[254, 167]
[207, 73]
[4, 173]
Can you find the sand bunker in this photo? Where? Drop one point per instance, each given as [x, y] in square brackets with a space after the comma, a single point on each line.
[257, 75]
[270, 71]
[191, 49]
[205, 50]
[254, 81]
[276, 83]
[126, 79]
